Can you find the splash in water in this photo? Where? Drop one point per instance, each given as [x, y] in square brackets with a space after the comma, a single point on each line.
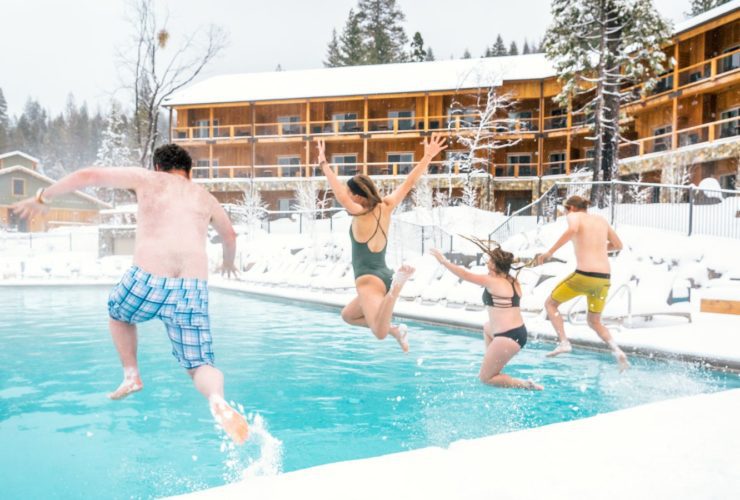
[261, 455]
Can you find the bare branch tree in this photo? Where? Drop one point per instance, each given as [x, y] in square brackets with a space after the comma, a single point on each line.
[156, 69]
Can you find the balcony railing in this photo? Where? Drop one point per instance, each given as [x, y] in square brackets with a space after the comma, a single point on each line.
[687, 75]
[706, 132]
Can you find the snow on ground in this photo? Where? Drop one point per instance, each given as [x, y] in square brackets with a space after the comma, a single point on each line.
[678, 449]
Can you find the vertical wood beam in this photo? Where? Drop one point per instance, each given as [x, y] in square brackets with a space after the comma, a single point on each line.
[364, 124]
[674, 121]
[426, 111]
[253, 117]
[568, 134]
[541, 129]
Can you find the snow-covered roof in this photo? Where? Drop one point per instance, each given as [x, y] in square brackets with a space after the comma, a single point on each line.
[19, 153]
[426, 76]
[706, 17]
[20, 168]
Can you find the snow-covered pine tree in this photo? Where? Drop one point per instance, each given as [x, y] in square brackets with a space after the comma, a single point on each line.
[352, 45]
[701, 6]
[333, 56]
[525, 47]
[466, 54]
[381, 23]
[422, 195]
[513, 49]
[430, 55]
[114, 148]
[417, 48]
[596, 47]
[499, 48]
[250, 210]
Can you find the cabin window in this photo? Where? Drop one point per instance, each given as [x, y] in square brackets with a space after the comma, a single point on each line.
[346, 163]
[19, 187]
[403, 124]
[404, 161]
[290, 124]
[556, 164]
[731, 128]
[290, 165]
[662, 143]
[347, 122]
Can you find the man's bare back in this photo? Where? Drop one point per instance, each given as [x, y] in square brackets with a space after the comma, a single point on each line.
[172, 226]
[590, 240]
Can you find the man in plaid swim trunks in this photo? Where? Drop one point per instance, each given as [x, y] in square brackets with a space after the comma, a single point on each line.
[168, 280]
[592, 238]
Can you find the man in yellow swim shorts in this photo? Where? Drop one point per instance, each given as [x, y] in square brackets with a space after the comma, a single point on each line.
[592, 238]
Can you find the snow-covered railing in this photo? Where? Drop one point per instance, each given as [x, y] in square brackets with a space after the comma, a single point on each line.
[705, 209]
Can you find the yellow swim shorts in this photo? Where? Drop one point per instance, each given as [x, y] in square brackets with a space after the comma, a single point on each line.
[595, 286]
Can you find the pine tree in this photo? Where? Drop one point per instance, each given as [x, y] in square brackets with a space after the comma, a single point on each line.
[333, 56]
[4, 123]
[525, 48]
[596, 47]
[488, 52]
[701, 6]
[513, 49]
[114, 148]
[499, 48]
[417, 48]
[352, 49]
[430, 55]
[466, 54]
[384, 35]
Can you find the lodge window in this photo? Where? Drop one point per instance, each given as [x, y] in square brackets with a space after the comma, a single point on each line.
[730, 62]
[521, 118]
[524, 161]
[346, 164]
[202, 129]
[290, 165]
[731, 128]
[405, 162]
[556, 165]
[402, 124]
[201, 170]
[347, 122]
[662, 143]
[728, 181]
[290, 124]
[558, 119]
[19, 187]
[461, 117]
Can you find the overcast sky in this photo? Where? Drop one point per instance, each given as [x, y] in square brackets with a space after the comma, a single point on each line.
[49, 48]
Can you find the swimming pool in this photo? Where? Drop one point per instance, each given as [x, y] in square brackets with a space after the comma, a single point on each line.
[326, 391]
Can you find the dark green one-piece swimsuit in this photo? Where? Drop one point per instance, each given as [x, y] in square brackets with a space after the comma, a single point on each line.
[365, 261]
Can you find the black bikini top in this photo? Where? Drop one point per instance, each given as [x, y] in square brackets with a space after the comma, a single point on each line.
[502, 302]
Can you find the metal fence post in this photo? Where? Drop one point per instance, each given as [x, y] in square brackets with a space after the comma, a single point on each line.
[331, 224]
[422, 240]
[611, 195]
[268, 225]
[691, 208]
[451, 241]
[300, 223]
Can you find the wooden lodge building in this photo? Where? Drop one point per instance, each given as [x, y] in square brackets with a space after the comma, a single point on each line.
[260, 128]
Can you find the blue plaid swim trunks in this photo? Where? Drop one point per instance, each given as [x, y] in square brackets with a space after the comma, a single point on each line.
[181, 304]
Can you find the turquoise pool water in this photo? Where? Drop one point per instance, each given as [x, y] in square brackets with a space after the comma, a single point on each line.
[326, 391]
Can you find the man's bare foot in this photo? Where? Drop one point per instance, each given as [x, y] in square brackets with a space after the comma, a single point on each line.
[129, 386]
[532, 386]
[233, 423]
[562, 348]
[401, 333]
[400, 277]
[621, 359]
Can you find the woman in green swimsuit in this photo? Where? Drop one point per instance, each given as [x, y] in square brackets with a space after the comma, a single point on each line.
[377, 286]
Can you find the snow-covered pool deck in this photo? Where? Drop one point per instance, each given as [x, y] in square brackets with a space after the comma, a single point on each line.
[710, 338]
[677, 449]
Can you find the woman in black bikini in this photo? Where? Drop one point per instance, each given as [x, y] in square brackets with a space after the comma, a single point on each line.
[504, 333]
[377, 286]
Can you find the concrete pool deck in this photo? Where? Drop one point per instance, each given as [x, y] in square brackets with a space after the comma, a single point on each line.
[677, 449]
